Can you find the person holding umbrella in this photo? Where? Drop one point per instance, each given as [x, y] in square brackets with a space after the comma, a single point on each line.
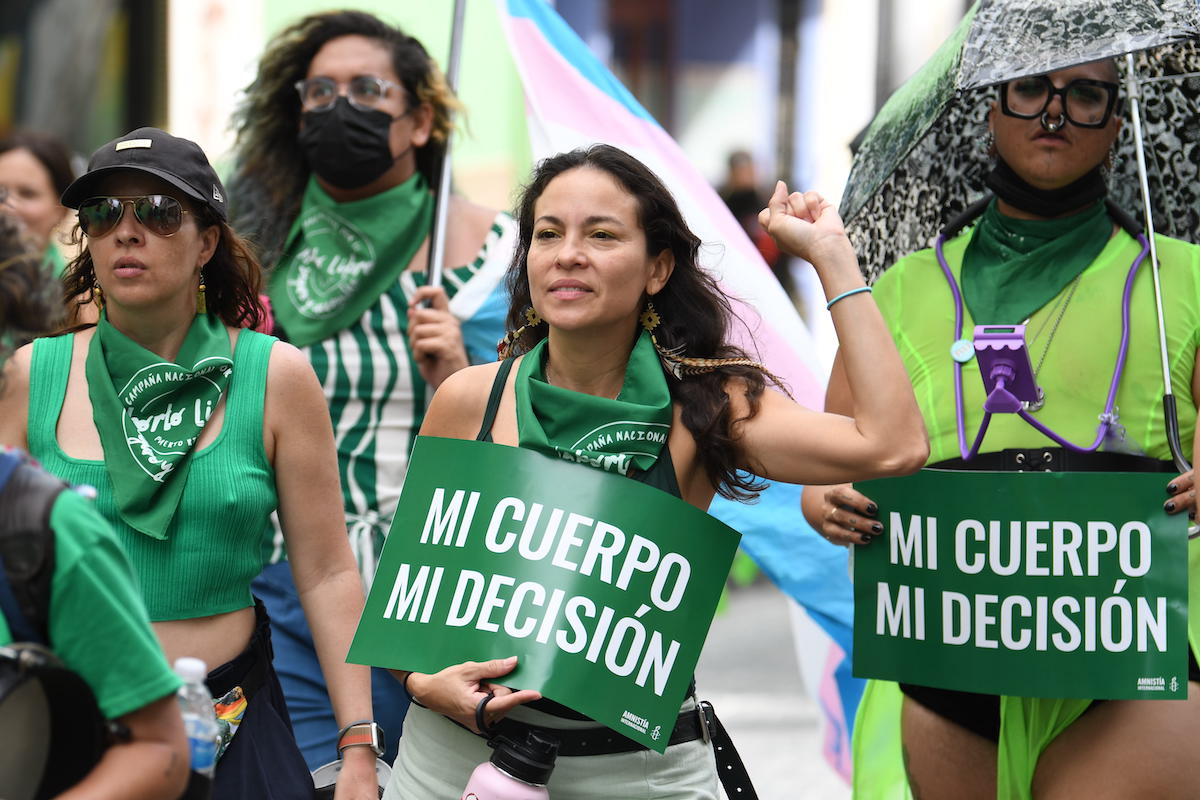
[339, 142]
[1046, 250]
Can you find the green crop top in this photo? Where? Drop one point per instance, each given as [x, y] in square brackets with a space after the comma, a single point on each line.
[214, 546]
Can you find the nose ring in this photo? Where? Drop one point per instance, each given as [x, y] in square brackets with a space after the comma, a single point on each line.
[1052, 127]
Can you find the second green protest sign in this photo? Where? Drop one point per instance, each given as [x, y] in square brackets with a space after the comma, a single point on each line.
[604, 587]
[1033, 584]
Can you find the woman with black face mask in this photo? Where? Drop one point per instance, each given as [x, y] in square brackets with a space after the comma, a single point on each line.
[338, 141]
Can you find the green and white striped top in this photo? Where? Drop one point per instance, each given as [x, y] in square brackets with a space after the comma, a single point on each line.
[376, 395]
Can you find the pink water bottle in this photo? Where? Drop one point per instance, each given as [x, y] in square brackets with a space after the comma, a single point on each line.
[516, 770]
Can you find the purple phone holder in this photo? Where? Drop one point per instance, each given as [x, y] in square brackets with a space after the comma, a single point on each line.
[1005, 368]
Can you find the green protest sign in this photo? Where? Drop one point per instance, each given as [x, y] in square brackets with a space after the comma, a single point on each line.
[1070, 584]
[604, 587]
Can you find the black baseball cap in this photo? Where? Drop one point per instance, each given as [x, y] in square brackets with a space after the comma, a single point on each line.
[179, 162]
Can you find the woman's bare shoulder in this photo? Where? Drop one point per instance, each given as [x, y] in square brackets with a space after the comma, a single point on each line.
[458, 405]
[470, 213]
[470, 224]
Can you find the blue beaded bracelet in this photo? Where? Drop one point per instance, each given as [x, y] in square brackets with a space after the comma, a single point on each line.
[844, 295]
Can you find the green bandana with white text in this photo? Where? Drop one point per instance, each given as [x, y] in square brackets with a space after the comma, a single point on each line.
[340, 257]
[150, 412]
[612, 435]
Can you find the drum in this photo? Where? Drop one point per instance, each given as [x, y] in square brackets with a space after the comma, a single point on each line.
[51, 729]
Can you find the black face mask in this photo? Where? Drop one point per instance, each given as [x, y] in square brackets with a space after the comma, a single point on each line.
[346, 147]
[1014, 190]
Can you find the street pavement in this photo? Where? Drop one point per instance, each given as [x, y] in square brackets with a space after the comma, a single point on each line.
[749, 672]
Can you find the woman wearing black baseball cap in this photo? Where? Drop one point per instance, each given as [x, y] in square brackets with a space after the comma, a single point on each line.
[194, 430]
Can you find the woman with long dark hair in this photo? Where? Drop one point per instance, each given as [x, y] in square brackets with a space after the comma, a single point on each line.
[615, 320]
[339, 141]
[193, 430]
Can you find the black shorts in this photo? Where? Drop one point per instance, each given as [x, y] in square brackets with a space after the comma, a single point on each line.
[980, 713]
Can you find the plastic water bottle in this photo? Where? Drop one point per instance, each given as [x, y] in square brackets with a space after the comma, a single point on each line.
[199, 718]
[516, 770]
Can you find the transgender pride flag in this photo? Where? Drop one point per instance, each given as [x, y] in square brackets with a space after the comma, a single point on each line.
[572, 100]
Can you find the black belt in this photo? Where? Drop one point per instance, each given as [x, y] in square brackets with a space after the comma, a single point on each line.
[698, 723]
[1056, 459]
[690, 726]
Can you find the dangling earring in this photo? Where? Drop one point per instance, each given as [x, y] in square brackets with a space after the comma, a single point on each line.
[671, 359]
[1110, 161]
[201, 300]
[680, 365]
[649, 319]
[505, 345]
[988, 143]
[97, 296]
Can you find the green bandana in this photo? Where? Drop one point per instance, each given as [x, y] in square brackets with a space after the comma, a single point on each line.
[1013, 267]
[340, 257]
[607, 434]
[150, 412]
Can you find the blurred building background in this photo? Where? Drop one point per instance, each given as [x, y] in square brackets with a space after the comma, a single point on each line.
[789, 81]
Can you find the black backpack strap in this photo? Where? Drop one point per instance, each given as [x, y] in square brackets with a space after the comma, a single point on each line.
[26, 547]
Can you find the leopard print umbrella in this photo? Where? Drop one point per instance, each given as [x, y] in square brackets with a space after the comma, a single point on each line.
[923, 160]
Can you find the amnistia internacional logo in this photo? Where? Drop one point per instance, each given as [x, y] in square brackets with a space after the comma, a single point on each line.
[166, 408]
[335, 258]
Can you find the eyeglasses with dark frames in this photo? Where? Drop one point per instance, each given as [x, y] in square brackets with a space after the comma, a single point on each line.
[1086, 103]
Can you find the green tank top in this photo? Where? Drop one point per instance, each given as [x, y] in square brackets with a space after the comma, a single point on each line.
[1076, 348]
[214, 546]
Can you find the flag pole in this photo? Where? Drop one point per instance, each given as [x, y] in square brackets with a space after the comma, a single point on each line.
[441, 198]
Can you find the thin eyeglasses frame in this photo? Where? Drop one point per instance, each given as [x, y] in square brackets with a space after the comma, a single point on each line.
[383, 83]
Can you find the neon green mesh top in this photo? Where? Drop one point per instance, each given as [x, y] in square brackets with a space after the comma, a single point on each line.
[1076, 364]
[1076, 358]
[214, 545]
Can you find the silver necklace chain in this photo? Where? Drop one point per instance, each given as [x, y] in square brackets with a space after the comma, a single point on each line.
[1061, 305]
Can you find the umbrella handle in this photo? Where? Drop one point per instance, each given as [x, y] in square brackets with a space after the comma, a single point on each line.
[1169, 412]
[1172, 419]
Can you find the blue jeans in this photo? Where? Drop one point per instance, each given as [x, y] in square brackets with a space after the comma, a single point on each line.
[304, 685]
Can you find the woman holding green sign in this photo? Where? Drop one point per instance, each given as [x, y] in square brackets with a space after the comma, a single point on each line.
[615, 323]
[1047, 251]
[193, 430]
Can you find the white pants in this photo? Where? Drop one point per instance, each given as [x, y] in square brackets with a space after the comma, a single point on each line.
[436, 758]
